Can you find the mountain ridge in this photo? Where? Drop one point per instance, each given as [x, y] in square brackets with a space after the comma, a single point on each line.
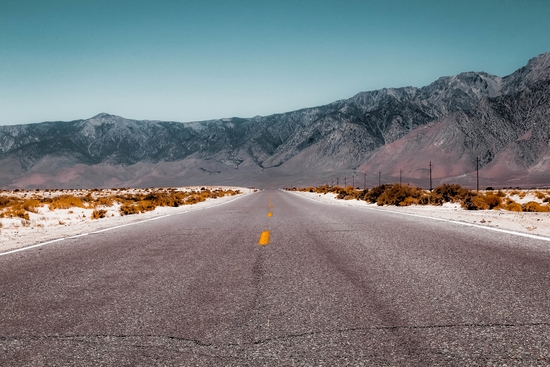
[337, 138]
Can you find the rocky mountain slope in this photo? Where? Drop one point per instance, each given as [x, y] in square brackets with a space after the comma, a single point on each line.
[453, 120]
[509, 134]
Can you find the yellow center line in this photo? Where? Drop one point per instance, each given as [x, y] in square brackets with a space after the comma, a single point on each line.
[264, 238]
[270, 214]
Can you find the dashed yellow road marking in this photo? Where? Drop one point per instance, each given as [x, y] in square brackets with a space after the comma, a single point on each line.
[270, 214]
[264, 238]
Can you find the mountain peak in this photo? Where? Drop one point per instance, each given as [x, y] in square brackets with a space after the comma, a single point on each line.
[102, 115]
[539, 67]
[536, 70]
[542, 59]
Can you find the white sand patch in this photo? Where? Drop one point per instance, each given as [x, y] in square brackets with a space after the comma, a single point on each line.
[531, 223]
[47, 225]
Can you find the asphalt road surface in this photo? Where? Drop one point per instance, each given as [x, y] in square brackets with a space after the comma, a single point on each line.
[330, 285]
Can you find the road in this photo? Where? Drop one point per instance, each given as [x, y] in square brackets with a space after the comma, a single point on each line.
[331, 286]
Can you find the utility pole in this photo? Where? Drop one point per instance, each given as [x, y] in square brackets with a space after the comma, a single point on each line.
[365, 182]
[431, 175]
[379, 174]
[400, 177]
[337, 178]
[353, 181]
[345, 181]
[477, 174]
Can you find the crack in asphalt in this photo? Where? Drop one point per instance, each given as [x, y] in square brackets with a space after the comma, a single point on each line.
[267, 340]
[119, 336]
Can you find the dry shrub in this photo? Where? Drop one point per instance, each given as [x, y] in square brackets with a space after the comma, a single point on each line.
[347, 194]
[160, 199]
[30, 205]
[15, 212]
[88, 198]
[139, 203]
[144, 200]
[513, 207]
[373, 194]
[194, 199]
[323, 189]
[474, 201]
[539, 195]
[533, 206]
[97, 214]
[145, 206]
[104, 201]
[448, 193]
[493, 201]
[66, 202]
[397, 195]
[7, 201]
[480, 201]
[409, 201]
[128, 208]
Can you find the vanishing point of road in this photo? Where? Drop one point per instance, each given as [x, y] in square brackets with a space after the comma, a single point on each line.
[276, 279]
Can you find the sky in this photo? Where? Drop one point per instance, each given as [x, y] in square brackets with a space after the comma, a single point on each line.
[194, 60]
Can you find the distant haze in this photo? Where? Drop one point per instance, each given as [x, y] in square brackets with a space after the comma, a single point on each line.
[200, 60]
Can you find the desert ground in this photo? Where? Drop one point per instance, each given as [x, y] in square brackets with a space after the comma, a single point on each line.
[524, 222]
[44, 224]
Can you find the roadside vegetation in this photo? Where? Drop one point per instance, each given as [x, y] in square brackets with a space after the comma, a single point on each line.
[19, 203]
[404, 195]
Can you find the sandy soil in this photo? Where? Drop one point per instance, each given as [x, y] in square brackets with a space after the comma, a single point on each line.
[530, 223]
[47, 225]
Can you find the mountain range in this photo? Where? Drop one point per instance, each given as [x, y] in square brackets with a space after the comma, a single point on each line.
[500, 123]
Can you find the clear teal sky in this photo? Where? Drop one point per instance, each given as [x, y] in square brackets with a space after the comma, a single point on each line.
[206, 59]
